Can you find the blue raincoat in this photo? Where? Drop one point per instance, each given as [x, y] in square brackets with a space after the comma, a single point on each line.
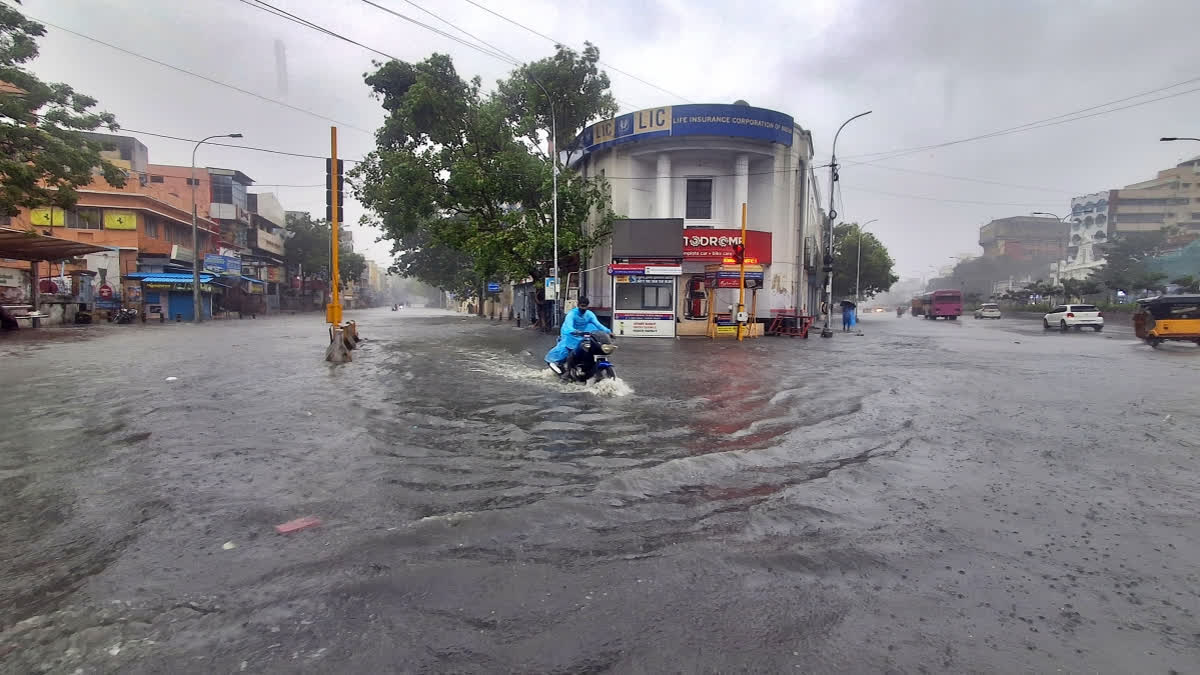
[575, 320]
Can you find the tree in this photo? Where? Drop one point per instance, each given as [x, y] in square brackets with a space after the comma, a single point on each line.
[876, 272]
[307, 249]
[440, 266]
[44, 157]
[1187, 284]
[1125, 258]
[464, 170]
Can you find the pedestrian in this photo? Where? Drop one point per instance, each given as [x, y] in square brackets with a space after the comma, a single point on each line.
[847, 317]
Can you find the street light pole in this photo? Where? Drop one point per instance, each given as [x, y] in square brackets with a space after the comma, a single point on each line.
[1058, 266]
[554, 180]
[196, 260]
[826, 331]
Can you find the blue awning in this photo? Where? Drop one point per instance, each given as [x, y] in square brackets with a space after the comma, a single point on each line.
[167, 278]
[253, 280]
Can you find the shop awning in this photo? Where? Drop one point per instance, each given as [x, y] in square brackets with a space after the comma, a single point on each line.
[253, 280]
[167, 278]
[29, 245]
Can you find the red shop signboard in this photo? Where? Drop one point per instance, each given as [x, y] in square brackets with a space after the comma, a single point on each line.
[708, 245]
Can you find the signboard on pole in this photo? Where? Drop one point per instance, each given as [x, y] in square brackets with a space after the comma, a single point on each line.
[493, 287]
[551, 288]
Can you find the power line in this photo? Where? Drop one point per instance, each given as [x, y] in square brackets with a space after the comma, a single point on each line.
[560, 42]
[230, 145]
[202, 77]
[483, 50]
[1040, 124]
[487, 48]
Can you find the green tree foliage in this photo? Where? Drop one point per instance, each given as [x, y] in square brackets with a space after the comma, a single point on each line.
[1187, 284]
[876, 272]
[308, 249]
[461, 170]
[440, 266]
[44, 157]
[1125, 256]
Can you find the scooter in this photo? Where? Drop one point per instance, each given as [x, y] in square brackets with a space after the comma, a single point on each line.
[589, 362]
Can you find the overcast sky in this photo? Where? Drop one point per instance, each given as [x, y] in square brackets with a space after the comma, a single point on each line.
[932, 71]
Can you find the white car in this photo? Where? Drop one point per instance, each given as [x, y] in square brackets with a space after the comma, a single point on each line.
[988, 310]
[1064, 317]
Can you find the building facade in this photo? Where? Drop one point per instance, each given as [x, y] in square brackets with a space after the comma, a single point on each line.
[1024, 238]
[698, 164]
[1089, 224]
[1172, 198]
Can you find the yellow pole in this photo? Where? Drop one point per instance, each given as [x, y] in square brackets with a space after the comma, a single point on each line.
[335, 311]
[742, 275]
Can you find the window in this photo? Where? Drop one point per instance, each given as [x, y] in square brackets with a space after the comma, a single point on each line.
[83, 218]
[156, 179]
[151, 227]
[656, 297]
[699, 199]
[193, 181]
[239, 196]
[646, 293]
[222, 189]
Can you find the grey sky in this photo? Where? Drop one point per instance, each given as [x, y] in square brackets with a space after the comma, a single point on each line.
[932, 71]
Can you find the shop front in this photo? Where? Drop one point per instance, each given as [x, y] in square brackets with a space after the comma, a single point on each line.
[169, 295]
[644, 299]
[710, 276]
[646, 264]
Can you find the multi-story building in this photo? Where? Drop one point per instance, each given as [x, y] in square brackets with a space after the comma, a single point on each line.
[681, 175]
[1172, 198]
[145, 223]
[1024, 238]
[265, 240]
[1089, 224]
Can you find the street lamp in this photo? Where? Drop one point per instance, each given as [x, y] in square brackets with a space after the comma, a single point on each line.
[1058, 263]
[554, 179]
[826, 331]
[196, 260]
[1178, 138]
[858, 265]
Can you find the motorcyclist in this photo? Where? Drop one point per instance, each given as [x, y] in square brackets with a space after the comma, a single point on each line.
[575, 322]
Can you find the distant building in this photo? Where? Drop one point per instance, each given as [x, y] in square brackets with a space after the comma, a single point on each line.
[1089, 223]
[1024, 238]
[1171, 198]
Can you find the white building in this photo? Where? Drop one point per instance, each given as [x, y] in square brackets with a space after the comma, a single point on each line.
[1089, 222]
[698, 164]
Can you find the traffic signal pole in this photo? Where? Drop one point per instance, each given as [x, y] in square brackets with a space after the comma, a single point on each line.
[333, 183]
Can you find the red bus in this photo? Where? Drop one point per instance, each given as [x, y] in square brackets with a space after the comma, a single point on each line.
[947, 303]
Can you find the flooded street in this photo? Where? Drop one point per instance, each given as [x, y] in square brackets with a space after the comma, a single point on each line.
[930, 497]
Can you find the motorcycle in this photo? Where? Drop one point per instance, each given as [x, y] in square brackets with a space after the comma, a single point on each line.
[589, 362]
[126, 315]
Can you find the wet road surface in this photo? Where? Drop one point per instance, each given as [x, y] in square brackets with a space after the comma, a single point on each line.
[971, 496]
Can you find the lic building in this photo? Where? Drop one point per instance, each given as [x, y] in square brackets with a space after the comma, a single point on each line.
[679, 176]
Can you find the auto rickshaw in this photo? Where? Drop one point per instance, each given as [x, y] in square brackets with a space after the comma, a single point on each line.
[1168, 317]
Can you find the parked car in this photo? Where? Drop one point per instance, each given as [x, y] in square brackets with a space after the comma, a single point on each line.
[1063, 317]
[988, 310]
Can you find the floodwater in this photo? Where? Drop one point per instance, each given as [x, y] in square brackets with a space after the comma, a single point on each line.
[928, 497]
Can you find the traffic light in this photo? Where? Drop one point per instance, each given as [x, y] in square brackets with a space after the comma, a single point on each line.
[739, 254]
[333, 183]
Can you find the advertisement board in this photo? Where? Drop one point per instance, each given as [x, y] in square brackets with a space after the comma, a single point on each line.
[222, 264]
[636, 323]
[738, 121]
[714, 245]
